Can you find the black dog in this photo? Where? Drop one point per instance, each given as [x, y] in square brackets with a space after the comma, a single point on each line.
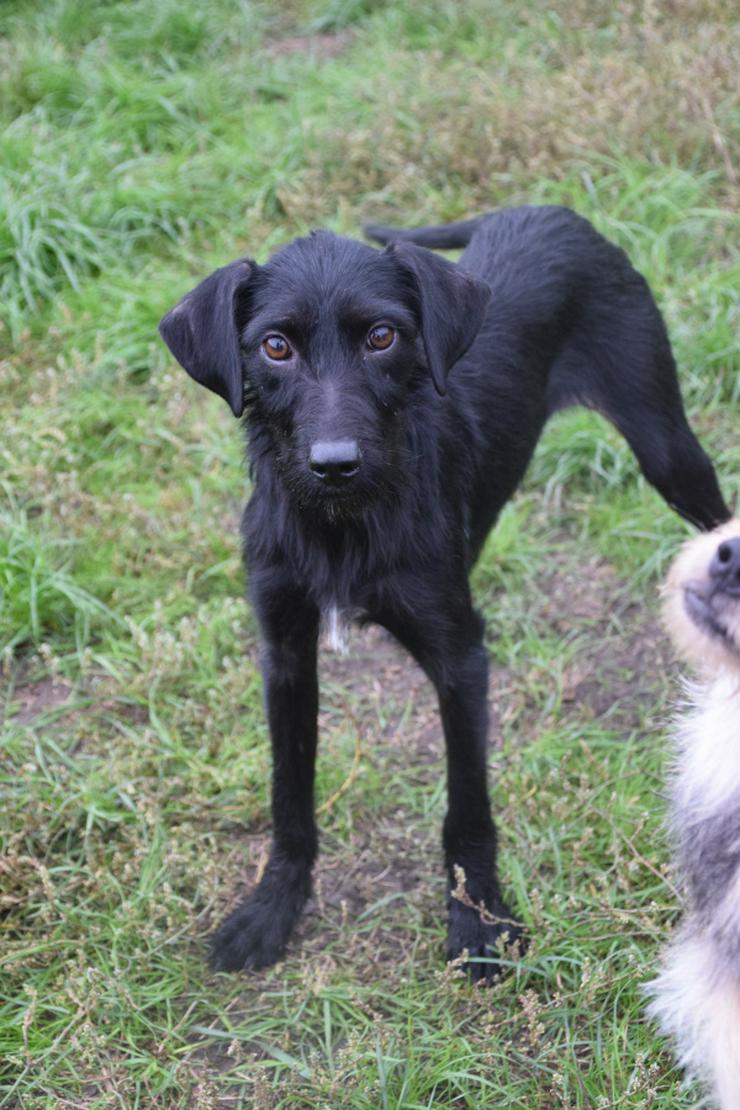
[377, 479]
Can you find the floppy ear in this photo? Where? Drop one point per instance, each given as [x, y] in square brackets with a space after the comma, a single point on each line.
[201, 331]
[452, 305]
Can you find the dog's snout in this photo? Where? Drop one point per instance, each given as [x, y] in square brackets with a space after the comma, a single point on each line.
[724, 568]
[335, 461]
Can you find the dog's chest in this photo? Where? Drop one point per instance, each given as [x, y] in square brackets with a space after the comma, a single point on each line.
[707, 790]
[709, 742]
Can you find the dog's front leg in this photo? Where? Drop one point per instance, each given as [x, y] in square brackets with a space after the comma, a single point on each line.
[450, 649]
[479, 920]
[256, 933]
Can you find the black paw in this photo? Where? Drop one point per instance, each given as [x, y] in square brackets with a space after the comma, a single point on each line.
[483, 935]
[256, 933]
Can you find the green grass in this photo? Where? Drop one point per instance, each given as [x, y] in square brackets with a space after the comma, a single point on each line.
[140, 146]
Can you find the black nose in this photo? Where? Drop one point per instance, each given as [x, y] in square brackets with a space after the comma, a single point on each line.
[724, 568]
[335, 461]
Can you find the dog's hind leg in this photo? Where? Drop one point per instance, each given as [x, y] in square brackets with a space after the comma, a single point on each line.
[256, 933]
[449, 646]
[672, 460]
[629, 375]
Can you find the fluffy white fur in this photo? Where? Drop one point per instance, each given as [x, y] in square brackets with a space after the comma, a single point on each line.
[696, 996]
[698, 1005]
[707, 743]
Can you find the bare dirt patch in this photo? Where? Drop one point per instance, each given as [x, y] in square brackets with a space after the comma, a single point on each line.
[317, 46]
[626, 654]
[35, 699]
[387, 685]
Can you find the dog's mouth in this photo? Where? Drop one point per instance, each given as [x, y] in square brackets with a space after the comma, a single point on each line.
[337, 503]
[702, 611]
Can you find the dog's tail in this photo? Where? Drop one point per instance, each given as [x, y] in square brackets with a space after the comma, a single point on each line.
[697, 1002]
[446, 237]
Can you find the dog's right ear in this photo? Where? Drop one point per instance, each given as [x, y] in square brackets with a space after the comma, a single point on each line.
[201, 331]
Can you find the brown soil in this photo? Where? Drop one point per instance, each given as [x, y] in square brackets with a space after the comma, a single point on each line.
[34, 699]
[628, 654]
[320, 46]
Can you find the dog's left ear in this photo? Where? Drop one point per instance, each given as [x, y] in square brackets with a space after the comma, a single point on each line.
[452, 305]
[201, 331]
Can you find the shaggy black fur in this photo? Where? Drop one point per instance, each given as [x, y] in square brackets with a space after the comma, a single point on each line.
[540, 313]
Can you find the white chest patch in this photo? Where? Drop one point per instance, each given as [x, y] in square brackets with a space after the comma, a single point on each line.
[709, 748]
[335, 629]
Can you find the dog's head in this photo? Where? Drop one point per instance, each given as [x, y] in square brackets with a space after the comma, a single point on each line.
[702, 598]
[327, 344]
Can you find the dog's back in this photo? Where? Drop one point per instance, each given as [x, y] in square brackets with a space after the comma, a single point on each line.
[579, 325]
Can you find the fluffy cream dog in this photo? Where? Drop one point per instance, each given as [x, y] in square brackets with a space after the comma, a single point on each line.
[696, 997]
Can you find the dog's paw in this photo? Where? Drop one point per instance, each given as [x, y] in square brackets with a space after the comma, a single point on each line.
[482, 936]
[256, 933]
[247, 938]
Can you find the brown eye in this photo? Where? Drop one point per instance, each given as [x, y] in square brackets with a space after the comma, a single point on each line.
[276, 348]
[381, 337]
